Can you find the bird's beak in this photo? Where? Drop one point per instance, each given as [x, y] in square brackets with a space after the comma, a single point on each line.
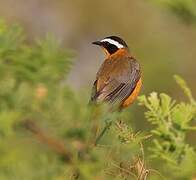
[97, 43]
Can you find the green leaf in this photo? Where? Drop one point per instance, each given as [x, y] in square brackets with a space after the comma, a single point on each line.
[183, 114]
[185, 88]
[166, 104]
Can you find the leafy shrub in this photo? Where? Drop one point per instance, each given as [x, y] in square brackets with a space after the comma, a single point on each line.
[47, 130]
[172, 121]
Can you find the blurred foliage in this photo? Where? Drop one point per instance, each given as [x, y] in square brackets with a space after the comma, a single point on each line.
[46, 127]
[172, 121]
[184, 9]
[47, 130]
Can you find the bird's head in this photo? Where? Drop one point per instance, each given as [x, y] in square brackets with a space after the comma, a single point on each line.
[112, 44]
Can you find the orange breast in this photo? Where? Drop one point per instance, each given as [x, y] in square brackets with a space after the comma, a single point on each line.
[133, 95]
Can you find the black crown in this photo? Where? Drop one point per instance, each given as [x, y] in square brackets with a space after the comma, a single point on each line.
[118, 39]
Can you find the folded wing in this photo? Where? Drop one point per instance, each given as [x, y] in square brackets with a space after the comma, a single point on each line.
[119, 85]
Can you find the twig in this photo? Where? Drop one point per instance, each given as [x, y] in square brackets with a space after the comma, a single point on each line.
[55, 144]
[157, 172]
[107, 126]
[125, 170]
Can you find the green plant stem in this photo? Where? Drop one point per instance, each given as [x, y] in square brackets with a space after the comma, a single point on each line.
[107, 126]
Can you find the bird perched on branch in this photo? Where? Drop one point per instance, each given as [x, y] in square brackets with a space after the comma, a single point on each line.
[118, 80]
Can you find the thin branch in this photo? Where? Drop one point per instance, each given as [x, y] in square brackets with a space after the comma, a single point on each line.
[56, 145]
[107, 126]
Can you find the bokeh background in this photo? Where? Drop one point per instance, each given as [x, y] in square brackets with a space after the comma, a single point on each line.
[160, 34]
[162, 42]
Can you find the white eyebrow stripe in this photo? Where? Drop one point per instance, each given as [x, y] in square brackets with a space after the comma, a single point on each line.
[111, 41]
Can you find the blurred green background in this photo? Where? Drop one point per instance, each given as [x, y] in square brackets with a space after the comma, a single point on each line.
[160, 34]
[162, 42]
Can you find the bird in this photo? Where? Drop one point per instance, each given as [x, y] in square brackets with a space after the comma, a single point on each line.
[118, 80]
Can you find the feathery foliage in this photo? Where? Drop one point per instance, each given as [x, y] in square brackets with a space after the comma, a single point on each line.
[172, 121]
[47, 130]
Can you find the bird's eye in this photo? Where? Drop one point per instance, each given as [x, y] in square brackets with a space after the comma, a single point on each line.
[111, 48]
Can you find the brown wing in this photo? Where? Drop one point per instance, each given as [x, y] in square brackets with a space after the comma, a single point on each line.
[116, 80]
